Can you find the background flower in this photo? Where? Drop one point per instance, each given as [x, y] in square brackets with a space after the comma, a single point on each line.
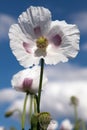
[2, 128]
[36, 36]
[53, 125]
[28, 80]
[66, 125]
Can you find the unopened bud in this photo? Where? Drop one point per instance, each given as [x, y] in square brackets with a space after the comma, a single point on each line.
[9, 113]
[44, 120]
[74, 100]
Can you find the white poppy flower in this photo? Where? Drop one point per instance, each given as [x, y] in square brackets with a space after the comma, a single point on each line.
[2, 128]
[36, 36]
[53, 125]
[27, 80]
[66, 125]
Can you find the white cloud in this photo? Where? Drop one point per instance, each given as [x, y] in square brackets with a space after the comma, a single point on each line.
[5, 23]
[66, 72]
[9, 95]
[18, 104]
[81, 20]
[56, 98]
[64, 81]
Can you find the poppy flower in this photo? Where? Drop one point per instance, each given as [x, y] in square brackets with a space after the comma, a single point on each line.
[27, 80]
[36, 36]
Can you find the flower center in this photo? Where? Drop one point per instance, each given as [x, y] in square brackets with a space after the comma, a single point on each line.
[42, 43]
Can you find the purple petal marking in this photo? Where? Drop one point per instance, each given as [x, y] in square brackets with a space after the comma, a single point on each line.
[57, 40]
[26, 47]
[27, 83]
[37, 31]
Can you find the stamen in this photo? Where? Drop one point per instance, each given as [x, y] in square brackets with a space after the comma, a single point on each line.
[42, 43]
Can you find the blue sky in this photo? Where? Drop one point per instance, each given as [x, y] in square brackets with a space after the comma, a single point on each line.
[72, 11]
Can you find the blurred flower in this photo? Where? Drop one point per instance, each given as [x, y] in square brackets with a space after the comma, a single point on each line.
[36, 36]
[28, 80]
[53, 125]
[2, 128]
[66, 125]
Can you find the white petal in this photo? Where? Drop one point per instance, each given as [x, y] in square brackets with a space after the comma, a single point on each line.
[17, 38]
[66, 124]
[69, 34]
[2, 128]
[63, 38]
[33, 73]
[53, 125]
[34, 20]
[54, 57]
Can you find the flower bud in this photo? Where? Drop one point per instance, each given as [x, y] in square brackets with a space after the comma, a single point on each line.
[74, 100]
[9, 113]
[44, 120]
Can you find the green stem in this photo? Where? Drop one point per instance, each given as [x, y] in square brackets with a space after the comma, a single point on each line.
[36, 97]
[76, 113]
[76, 118]
[24, 112]
[30, 110]
[40, 83]
[35, 105]
[83, 126]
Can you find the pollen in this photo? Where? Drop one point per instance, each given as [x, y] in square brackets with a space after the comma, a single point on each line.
[42, 43]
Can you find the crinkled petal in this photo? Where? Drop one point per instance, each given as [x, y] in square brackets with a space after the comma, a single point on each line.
[23, 53]
[35, 21]
[64, 40]
[55, 57]
[65, 31]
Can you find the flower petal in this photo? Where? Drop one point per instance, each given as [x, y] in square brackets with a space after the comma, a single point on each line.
[64, 30]
[27, 83]
[66, 125]
[22, 47]
[64, 39]
[54, 56]
[35, 21]
[28, 80]
[53, 125]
